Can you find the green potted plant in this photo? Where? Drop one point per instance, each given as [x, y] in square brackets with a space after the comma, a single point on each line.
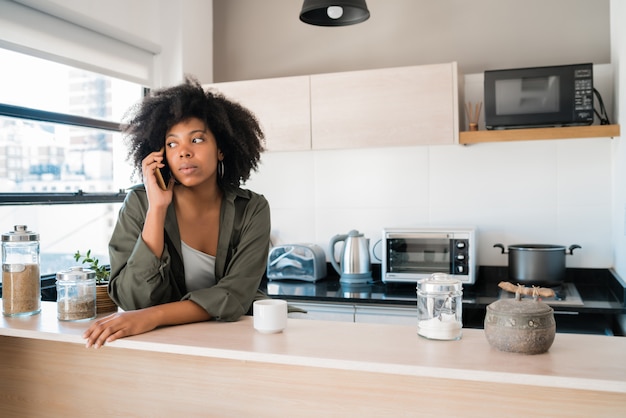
[104, 303]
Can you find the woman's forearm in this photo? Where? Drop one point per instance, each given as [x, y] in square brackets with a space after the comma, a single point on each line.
[176, 313]
[152, 232]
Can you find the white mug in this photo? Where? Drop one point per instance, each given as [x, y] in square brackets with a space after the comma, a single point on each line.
[270, 315]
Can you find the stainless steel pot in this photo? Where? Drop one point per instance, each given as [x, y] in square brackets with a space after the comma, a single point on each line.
[538, 264]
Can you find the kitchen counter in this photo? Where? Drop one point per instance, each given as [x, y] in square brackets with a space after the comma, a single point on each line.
[603, 294]
[313, 368]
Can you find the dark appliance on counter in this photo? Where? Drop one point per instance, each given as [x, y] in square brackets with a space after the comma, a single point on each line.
[412, 254]
[559, 95]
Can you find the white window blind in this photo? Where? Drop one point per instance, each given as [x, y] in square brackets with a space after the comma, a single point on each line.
[75, 40]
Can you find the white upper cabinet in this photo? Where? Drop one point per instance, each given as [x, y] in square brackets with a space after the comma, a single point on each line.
[417, 105]
[281, 105]
[405, 106]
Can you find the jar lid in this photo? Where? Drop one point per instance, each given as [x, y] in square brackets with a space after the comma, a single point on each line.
[523, 306]
[76, 273]
[439, 283]
[20, 233]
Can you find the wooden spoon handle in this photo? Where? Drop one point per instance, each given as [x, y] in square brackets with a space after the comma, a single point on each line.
[543, 292]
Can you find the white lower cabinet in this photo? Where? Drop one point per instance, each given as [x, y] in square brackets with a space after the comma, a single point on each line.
[324, 311]
[386, 315]
[347, 312]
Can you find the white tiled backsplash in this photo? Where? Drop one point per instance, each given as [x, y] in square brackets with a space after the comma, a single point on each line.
[550, 192]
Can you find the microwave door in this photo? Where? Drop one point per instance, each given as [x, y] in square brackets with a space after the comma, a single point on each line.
[419, 256]
[528, 95]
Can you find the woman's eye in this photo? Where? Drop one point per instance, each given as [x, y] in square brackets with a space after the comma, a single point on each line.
[198, 139]
[170, 144]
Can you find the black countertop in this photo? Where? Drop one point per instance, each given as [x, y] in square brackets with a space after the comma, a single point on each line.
[600, 289]
[603, 295]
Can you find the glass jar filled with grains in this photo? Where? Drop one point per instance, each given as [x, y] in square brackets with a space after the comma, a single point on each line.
[76, 294]
[21, 284]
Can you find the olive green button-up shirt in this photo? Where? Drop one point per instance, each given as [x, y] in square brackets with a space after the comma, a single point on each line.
[140, 279]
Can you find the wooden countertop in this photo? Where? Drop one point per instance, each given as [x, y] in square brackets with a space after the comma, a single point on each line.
[587, 362]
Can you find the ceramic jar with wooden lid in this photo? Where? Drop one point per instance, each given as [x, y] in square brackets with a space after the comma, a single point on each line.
[520, 325]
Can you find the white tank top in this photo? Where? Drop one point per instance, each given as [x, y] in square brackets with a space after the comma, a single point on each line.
[199, 268]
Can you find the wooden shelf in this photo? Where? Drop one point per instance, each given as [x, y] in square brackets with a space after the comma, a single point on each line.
[569, 132]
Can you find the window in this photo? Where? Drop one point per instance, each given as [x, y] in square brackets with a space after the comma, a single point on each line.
[63, 168]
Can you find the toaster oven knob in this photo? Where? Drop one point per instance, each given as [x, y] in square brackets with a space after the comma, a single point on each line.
[460, 269]
[460, 257]
[460, 244]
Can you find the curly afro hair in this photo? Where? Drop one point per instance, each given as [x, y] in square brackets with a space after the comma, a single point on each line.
[235, 128]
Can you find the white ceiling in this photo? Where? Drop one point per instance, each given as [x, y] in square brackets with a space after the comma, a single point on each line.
[262, 39]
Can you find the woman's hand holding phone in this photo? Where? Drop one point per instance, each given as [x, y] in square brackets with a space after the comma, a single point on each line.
[151, 164]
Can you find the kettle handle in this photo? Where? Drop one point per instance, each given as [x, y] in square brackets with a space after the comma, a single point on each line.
[333, 241]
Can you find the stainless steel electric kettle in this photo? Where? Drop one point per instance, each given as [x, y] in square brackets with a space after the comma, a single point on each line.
[355, 264]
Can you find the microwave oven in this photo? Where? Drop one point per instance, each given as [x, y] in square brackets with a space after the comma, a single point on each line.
[412, 254]
[559, 95]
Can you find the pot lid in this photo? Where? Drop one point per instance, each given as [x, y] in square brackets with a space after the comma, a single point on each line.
[537, 247]
[517, 307]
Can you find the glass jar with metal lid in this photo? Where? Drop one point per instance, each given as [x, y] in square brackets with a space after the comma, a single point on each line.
[439, 307]
[76, 294]
[21, 282]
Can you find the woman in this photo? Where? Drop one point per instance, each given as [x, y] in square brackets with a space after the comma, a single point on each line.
[196, 250]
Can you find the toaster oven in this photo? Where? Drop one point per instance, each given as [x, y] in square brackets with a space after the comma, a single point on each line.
[412, 254]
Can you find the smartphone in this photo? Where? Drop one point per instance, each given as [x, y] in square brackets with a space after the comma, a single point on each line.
[162, 174]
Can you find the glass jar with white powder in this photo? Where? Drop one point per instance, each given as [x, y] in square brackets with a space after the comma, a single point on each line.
[439, 307]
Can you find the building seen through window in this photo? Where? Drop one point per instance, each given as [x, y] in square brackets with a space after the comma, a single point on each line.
[63, 167]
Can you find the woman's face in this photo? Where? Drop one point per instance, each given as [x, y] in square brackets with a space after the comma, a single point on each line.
[191, 153]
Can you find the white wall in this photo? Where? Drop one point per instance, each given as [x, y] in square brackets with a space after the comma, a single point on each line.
[552, 192]
[263, 39]
[618, 59]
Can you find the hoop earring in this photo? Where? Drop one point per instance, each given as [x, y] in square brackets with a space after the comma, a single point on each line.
[220, 169]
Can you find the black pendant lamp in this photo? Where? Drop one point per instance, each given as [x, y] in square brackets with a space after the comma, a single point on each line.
[334, 12]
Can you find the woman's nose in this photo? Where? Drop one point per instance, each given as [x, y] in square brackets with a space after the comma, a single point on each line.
[184, 152]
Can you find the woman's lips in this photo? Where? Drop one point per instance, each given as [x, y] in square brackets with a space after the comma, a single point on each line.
[186, 168]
